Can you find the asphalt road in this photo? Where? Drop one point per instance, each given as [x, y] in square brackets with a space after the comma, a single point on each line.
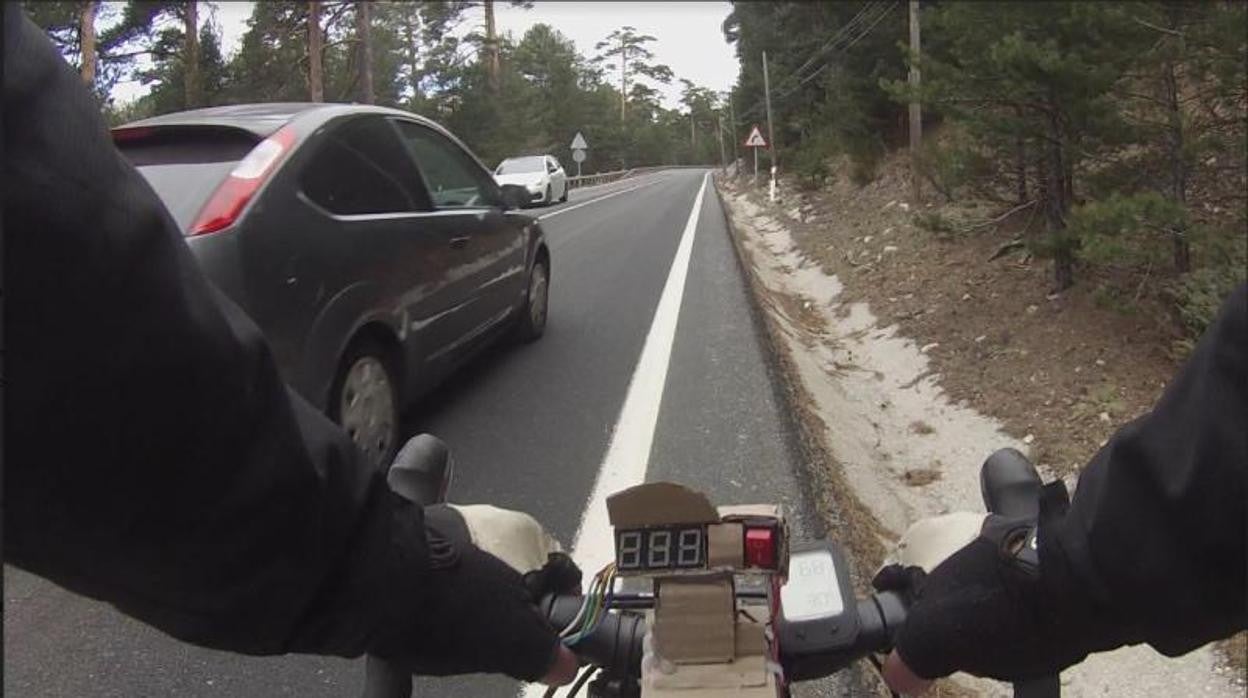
[530, 427]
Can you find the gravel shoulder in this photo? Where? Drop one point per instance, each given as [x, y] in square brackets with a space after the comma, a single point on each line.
[909, 359]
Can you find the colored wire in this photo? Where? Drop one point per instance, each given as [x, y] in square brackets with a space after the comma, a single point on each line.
[594, 607]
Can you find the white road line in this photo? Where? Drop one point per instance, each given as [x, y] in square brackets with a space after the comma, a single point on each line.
[628, 455]
[573, 207]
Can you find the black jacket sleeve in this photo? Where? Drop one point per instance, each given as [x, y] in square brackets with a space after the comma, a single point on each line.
[1153, 545]
[1151, 549]
[154, 458]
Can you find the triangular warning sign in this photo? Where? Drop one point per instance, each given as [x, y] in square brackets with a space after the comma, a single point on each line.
[755, 140]
[579, 143]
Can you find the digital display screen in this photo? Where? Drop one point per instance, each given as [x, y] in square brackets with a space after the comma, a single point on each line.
[660, 548]
[813, 589]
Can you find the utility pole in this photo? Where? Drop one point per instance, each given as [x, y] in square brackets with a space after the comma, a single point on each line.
[916, 113]
[723, 157]
[732, 130]
[771, 134]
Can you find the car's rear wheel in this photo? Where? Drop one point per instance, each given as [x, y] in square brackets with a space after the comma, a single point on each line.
[365, 401]
[536, 303]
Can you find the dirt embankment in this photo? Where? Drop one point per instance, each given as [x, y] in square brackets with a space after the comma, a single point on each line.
[1061, 370]
[912, 355]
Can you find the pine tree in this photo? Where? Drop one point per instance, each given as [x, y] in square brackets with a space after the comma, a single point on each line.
[627, 49]
[1042, 73]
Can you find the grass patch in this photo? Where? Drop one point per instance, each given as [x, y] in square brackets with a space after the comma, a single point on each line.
[918, 477]
[935, 223]
[1236, 650]
[921, 427]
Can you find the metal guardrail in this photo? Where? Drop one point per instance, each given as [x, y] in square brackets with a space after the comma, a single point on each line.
[605, 177]
[598, 178]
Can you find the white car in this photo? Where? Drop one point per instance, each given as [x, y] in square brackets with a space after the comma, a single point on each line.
[541, 175]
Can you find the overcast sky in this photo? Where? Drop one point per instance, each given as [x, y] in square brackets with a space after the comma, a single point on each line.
[689, 38]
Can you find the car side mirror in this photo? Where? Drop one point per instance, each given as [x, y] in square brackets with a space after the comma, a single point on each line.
[514, 196]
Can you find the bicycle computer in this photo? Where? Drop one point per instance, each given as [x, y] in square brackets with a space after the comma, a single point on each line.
[818, 609]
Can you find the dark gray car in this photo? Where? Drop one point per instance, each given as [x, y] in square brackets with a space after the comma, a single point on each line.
[370, 246]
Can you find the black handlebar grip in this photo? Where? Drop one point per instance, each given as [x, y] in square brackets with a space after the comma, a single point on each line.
[1011, 488]
[421, 472]
[615, 645]
[1043, 687]
[1010, 485]
[384, 680]
[880, 616]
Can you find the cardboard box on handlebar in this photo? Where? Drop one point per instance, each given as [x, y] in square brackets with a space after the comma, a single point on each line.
[695, 622]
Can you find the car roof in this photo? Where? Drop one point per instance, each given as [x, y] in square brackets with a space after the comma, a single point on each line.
[265, 118]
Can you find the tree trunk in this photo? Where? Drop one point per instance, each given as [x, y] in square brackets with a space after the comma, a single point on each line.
[316, 41]
[1178, 169]
[1056, 204]
[1068, 181]
[493, 66]
[364, 32]
[192, 54]
[410, 50]
[693, 141]
[1020, 161]
[623, 79]
[86, 42]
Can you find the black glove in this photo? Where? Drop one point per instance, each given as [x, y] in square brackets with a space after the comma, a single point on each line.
[559, 575]
[478, 614]
[989, 611]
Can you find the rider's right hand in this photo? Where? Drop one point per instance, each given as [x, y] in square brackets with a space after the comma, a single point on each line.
[478, 616]
[980, 613]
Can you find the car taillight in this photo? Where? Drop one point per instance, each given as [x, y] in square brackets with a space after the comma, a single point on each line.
[760, 548]
[242, 183]
[138, 133]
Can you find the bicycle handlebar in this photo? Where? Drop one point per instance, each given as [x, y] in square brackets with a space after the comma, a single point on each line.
[1010, 487]
[616, 643]
[1009, 484]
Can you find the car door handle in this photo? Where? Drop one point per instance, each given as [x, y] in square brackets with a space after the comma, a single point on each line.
[459, 243]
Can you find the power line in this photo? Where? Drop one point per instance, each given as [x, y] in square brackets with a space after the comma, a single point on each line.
[848, 46]
[845, 28]
[840, 34]
[843, 32]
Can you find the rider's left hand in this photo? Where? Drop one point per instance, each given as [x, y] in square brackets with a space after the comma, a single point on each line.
[480, 612]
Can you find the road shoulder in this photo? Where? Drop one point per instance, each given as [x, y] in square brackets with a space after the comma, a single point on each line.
[888, 445]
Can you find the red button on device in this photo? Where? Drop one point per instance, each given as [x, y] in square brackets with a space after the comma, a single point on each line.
[760, 547]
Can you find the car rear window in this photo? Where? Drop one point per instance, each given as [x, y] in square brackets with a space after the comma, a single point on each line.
[361, 169]
[522, 165]
[185, 165]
